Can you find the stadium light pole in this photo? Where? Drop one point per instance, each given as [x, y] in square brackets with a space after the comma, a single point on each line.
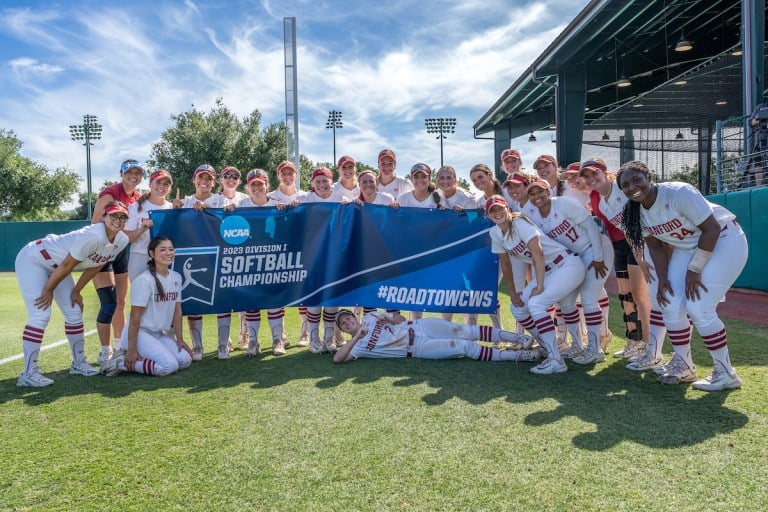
[441, 126]
[334, 121]
[88, 131]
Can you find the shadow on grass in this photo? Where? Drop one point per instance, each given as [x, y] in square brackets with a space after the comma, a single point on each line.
[622, 405]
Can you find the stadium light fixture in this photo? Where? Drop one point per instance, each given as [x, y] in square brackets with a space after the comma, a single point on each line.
[333, 122]
[88, 131]
[441, 126]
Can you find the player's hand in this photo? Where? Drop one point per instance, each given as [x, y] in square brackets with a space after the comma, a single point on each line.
[358, 202]
[147, 223]
[394, 205]
[600, 268]
[183, 346]
[537, 291]
[229, 208]
[692, 285]
[458, 208]
[280, 206]
[200, 206]
[177, 203]
[131, 356]
[647, 270]
[77, 299]
[45, 299]
[664, 288]
[515, 299]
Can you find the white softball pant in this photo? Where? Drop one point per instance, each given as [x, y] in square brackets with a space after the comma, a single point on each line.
[162, 350]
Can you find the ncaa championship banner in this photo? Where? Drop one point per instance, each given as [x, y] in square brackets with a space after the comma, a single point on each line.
[325, 254]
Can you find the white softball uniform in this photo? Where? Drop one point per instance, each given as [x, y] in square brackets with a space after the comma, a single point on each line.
[426, 338]
[461, 198]
[155, 341]
[213, 202]
[247, 203]
[138, 257]
[311, 197]
[564, 271]
[383, 198]
[234, 200]
[349, 194]
[396, 187]
[282, 197]
[409, 201]
[674, 218]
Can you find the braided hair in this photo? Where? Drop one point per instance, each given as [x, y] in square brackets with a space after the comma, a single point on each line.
[630, 220]
[151, 263]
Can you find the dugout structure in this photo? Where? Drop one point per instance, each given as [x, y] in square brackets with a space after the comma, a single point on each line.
[669, 82]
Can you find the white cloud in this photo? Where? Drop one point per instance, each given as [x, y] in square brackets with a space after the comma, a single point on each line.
[27, 68]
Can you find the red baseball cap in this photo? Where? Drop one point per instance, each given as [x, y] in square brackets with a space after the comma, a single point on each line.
[510, 153]
[115, 207]
[495, 201]
[518, 179]
[344, 160]
[285, 164]
[421, 167]
[230, 169]
[387, 152]
[540, 184]
[322, 171]
[596, 164]
[257, 175]
[160, 173]
[545, 158]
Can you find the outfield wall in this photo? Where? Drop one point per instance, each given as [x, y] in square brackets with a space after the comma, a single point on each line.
[15, 235]
[750, 207]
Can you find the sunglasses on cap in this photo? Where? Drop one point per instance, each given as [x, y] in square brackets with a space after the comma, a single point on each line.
[422, 168]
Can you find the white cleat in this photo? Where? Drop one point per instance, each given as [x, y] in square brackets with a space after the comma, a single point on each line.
[104, 355]
[34, 380]
[84, 369]
[549, 366]
[720, 380]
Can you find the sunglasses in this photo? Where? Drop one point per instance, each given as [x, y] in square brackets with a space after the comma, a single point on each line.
[230, 176]
[119, 217]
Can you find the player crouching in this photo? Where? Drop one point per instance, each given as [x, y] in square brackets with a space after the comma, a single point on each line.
[382, 335]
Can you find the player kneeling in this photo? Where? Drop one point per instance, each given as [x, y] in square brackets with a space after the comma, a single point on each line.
[153, 343]
[381, 335]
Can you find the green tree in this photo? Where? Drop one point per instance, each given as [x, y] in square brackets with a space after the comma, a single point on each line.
[29, 190]
[82, 201]
[217, 138]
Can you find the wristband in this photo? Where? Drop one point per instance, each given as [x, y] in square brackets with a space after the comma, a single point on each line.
[698, 260]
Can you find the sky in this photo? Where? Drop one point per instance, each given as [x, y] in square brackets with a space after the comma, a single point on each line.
[385, 65]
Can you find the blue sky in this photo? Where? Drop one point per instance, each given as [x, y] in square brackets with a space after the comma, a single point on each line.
[385, 65]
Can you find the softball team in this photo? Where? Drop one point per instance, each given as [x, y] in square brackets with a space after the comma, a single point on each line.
[551, 252]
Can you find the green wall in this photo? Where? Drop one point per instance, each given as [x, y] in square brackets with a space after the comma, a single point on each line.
[14, 235]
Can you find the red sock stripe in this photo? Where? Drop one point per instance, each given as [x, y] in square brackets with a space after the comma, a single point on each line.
[528, 323]
[716, 341]
[33, 334]
[224, 315]
[149, 367]
[194, 318]
[544, 325]
[486, 354]
[571, 318]
[593, 318]
[311, 317]
[253, 316]
[275, 315]
[302, 310]
[551, 309]
[329, 317]
[368, 310]
[604, 302]
[657, 318]
[486, 333]
[680, 337]
[73, 329]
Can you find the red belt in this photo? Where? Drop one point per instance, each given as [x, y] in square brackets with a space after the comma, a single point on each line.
[557, 260]
[44, 253]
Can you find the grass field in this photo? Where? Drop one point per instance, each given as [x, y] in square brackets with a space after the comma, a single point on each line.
[299, 433]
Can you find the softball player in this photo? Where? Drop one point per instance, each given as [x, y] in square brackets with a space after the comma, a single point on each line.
[204, 179]
[389, 182]
[567, 222]
[153, 343]
[557, 275]
[642, 315]
[229, 198]
[257, 182]
[44, 273]
[511, 165]
[709, 252]
[288, 193]
[112, 282]
[322, 192]
[347, 184]
[383, 335]
[138, 225]
[369, 192]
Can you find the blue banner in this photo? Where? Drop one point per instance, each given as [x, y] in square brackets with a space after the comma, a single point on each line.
[325, 254]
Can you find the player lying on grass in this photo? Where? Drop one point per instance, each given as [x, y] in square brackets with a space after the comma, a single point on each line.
[381, 335]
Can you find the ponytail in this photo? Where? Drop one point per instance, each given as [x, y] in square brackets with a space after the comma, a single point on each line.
[143, 199]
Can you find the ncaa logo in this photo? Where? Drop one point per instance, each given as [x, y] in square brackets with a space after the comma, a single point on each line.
[235, 230]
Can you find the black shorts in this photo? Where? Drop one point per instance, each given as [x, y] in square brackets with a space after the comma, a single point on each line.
[622, 256]
[120, 264]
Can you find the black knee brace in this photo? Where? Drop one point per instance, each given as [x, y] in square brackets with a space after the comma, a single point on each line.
[622, 274]
[635, 334]
[108, 299]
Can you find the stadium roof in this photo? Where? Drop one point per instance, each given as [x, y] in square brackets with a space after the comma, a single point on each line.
[634, 39]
